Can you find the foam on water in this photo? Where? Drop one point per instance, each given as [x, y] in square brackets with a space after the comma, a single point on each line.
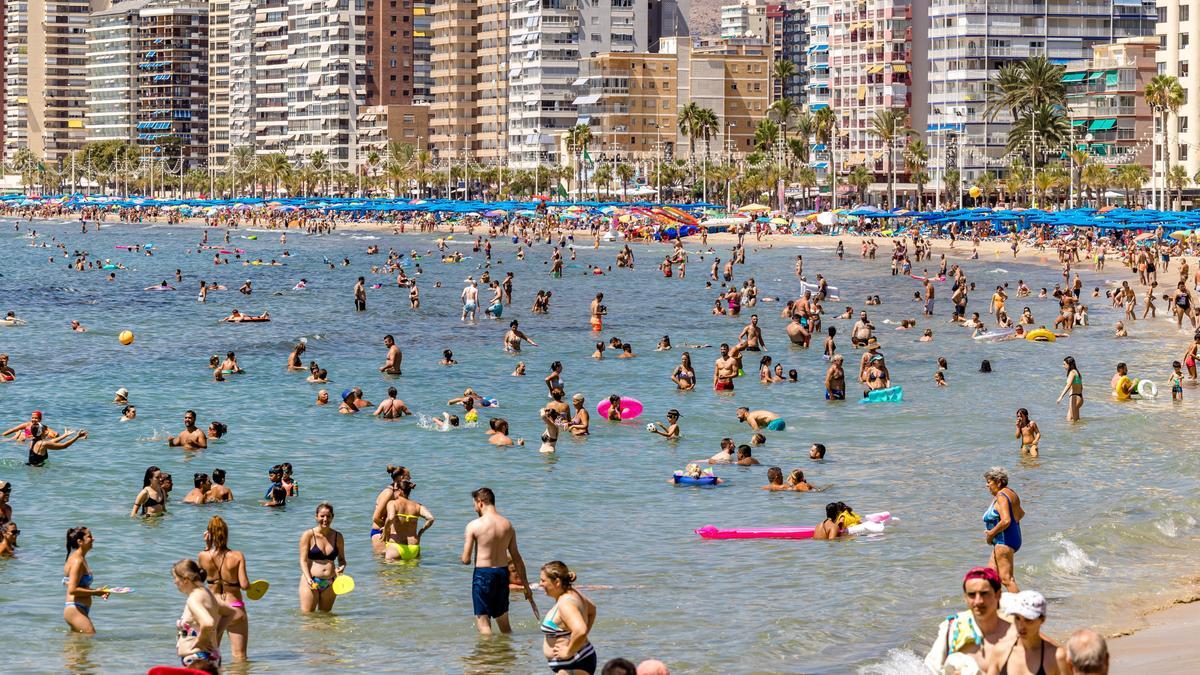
[897, 662]
[1072, 559]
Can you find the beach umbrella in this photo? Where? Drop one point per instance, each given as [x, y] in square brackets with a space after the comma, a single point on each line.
[754, 208]
[779, 221]
[1182, 234]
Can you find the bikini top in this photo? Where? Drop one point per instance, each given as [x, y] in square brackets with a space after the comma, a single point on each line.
[315, 553]
[85, 581]
[550, 628]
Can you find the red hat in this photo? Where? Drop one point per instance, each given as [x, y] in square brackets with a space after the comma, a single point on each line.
[37, 414]
[986, 573]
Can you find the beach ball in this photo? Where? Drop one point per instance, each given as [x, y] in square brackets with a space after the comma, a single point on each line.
[975, 192]
[126, 337]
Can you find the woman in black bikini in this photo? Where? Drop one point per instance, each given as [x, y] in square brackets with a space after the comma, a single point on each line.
[225, 573]
[320, 547]
[1029, 654]
[40, 446]
[152, 500]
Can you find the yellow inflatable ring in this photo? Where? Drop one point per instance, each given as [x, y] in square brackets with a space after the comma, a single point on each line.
[1040, 335]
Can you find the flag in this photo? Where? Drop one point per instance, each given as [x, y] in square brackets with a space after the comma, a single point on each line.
[587, 157]
[562, 191]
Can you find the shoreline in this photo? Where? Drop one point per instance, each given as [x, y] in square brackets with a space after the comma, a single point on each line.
[1144, 631]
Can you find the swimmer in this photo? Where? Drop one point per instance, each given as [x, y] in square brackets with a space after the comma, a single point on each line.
[817, 452]
[77, 327]
[761, 419]
[775, 480]
[796, 482]
[401, 538]
[230, 365]
[294, 359]
[579, 424]
[670, 429]
[1028, 433]
[152, 500]
[513, 338]
[199, 493]
[498, 433]
[323, 397]
[664, 344]
[550, 436]
[519, 371]
[191, 438]
[322, 559]
[77, 577]
[217, 491]
[447, 358]
[391, 407]
[391, 364]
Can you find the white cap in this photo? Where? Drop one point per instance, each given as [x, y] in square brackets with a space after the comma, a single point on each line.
[1026, 604]
[122, 392]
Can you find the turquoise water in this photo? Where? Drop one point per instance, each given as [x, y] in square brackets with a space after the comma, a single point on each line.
[1110, 503]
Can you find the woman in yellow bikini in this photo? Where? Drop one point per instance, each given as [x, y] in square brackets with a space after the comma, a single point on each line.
[402, 539]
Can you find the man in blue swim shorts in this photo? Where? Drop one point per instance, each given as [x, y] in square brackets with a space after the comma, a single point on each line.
[761, 419]
[491, 540]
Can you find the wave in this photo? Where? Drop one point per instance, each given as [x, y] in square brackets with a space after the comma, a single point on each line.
[897, 662]
[1072, 560]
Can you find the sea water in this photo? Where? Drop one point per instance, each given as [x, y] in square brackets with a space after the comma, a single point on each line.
[1110, 503]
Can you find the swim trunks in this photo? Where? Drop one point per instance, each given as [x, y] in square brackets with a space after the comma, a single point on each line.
[723, 385]
[470, 307]
[489, 591]
[776, 424]
[597, 324]
[835, 395]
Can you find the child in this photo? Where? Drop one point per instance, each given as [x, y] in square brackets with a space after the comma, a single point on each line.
[939, 378]
[1176, 381]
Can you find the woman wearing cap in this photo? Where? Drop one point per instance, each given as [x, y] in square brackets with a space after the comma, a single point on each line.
[578, 426]
[876, 375]
[1003, 523]
[1028, 655]
[670, 429]
[122, 396]
[152, 500]
[22, 430]
[225, 573]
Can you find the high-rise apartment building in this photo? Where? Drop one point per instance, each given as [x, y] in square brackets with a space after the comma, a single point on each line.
[258, 58]
[815, 41]
[112, 72]
[746, 19]
[45, 59]
[1176, 54]
[1110, 119]
[147, 78]
[218, 83]
[970, 40]
[469, 72]
[390, 52]
[422, 51]
[547, 39]
[870, 57]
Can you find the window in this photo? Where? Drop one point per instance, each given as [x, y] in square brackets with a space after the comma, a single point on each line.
[1183, 69]
[1183, 125]
[1183, 152]
[1183, 12]
[1183, 40]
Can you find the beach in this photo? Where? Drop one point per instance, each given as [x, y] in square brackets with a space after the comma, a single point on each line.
[603, 504]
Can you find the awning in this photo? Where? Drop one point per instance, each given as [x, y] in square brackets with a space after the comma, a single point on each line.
[821, 48]
[1096, 75]
[591, 99]
[1110, 78]
[1074, 77]
[862, 91]
[820, 66]
[818, 106]
[584, 119]
[875, 69]
[899, 68]
[1102, 125]
[1078, 123]
[580, 82]
[821, 165]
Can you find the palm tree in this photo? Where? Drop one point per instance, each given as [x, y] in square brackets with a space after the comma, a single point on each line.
[373, 162]
[242, 163]
[825, 131]
[953, 180]
[806, 176]
[706, 125]
[1018, 177]
[275, 168]
[1025, 85]
[783, 70]
[1165, 96]
[1078, 159]
[318, 161]
[602, 178]
[1131, 178]
[766, 134]
[1096, 177]
[861, 179]
[804, 127]
[783, 112]
[625, 173]
[887, 126]
[687, 122]
[1177, 179]
[578, 139]
[986, 184]
[25, 163]
[916, 159]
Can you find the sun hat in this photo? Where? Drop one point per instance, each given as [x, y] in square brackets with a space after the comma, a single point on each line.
[1026, 604]
[122, 392]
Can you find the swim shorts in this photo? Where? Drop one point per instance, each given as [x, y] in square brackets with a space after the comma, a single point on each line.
[723, 385]
[470, 307]
[489, 591]
[776, 424]
[597, 323]
[835, 395]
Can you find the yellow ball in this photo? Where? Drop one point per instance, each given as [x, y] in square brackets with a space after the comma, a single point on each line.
[126, 337]
[975, 192]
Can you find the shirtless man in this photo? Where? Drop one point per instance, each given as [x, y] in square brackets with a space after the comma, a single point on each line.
[835, 380]
[761, 419]
[470, 299]
[596, 313]
[391, 364]
[493, 541]
[391, 407]
[753, 336]
[360, 295]
[1028, 433]
[724, 370]
[861, 331]
[929, 293]
[981, 590]
[192, 437]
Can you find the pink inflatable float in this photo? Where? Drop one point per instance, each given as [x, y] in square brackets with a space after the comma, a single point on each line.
[630, 408]
[871, 523]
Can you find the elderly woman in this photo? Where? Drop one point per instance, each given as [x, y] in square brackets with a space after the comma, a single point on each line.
[1002, 521]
